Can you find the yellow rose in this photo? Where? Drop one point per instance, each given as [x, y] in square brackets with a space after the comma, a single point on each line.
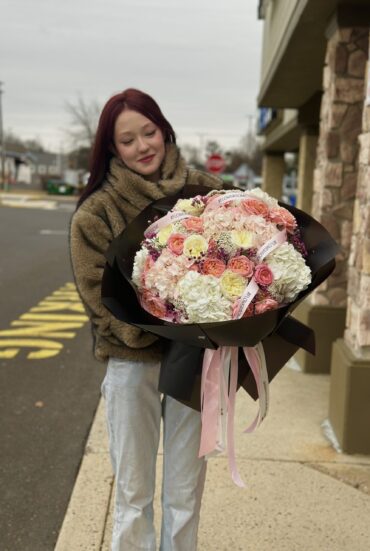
[187, 205]
[242, 238]
[195, 245]
[164, 234]
[232, 284]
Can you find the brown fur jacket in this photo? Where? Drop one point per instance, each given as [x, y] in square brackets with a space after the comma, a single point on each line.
[103, 216]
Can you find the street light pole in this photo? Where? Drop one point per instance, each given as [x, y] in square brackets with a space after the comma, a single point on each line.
[2, 140]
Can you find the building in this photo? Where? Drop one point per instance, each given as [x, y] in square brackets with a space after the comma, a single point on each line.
[33, 168]
[315, 101]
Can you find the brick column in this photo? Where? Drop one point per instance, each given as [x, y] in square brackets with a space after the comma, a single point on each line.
[334, 185]
[273, 170]
[349, 411]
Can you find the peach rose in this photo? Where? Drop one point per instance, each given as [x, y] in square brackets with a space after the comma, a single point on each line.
[176, 243]
[263, 275]
[255, 206]
[283, 217]
[193, 224]
[154, 305]
[266, 304]
[213, 266]
[241, 265]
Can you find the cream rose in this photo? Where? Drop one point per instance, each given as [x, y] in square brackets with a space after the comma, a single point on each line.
[190, 206]
[232, 284]
[195, 246]
[165, 233]
[242, 238]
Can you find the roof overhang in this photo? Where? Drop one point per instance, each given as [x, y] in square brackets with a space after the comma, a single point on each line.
[295, 73]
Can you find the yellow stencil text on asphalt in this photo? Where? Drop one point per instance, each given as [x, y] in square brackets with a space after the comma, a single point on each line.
[39, 331]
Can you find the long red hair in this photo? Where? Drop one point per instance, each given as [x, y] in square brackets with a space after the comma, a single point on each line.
[102, 150]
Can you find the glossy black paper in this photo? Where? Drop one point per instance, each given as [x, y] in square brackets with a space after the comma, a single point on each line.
[280, 333]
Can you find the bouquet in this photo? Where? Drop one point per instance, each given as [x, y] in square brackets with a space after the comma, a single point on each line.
[219, 271]
[220, 257]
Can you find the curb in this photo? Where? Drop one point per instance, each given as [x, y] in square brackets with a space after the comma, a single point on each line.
[85, 519]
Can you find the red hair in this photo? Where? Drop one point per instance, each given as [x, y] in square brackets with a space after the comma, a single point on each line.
[102, 150]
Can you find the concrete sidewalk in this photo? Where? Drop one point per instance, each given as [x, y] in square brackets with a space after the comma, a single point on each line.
[301, 494]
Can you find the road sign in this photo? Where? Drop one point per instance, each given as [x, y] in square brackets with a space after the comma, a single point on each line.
[215, 163]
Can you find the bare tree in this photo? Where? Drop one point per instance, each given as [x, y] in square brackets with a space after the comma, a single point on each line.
[192, 155]
[84, 121]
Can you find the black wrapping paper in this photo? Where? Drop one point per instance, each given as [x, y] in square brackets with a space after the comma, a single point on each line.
[280, 333]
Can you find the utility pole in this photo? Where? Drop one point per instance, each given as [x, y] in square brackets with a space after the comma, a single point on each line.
[2, 140]
[250, 135]
[201, 136]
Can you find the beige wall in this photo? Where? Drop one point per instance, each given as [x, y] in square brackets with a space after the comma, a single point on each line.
[278, 15]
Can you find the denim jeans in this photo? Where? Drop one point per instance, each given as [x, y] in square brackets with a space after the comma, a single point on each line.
[134, 410]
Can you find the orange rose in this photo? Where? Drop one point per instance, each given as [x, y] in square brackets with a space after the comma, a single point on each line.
[255, 206]
[213, 266]
[154, 305]
[241, 265]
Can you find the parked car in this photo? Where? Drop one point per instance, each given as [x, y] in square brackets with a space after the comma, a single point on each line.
[57, 186]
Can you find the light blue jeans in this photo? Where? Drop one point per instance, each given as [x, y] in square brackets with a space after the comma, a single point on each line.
[134, 410]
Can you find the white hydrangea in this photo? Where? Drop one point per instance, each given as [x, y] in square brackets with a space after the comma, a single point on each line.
[139, 263]
[202, 298]
[291, 273]
[259, 194]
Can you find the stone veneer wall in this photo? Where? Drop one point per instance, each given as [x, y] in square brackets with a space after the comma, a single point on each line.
[357, 333]
[335, 175]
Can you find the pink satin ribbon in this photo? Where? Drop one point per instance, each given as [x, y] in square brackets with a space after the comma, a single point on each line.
[175, 216]
[212, 383]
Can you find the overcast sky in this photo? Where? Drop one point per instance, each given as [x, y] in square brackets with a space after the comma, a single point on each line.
[200, 60]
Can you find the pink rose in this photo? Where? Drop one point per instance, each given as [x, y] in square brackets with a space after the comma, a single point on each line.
[241, 265]
[255, 206]
[263, 275]
[194, 224]
[154, 305]
[283, 217]
[213, 266]
[248, 313]
[176, 243]
[266, 304]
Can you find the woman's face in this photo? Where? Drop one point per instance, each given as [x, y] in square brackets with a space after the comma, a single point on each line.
[139, 143]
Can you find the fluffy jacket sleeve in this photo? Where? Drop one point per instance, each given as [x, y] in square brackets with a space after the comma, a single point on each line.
[90, 237]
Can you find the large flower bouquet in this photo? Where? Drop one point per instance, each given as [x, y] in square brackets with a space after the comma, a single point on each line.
[219, 271]
[220, 257]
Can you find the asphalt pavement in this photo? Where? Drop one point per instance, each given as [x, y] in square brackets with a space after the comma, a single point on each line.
[49, 382]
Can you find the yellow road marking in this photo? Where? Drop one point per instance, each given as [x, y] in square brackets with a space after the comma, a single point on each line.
[33, 330]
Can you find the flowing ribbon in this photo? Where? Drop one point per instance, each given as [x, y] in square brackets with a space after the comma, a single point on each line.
[220, 379]
[175, 216]
[218, 392]
[223, 199]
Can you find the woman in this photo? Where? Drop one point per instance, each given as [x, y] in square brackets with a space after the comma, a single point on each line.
[135, 161]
